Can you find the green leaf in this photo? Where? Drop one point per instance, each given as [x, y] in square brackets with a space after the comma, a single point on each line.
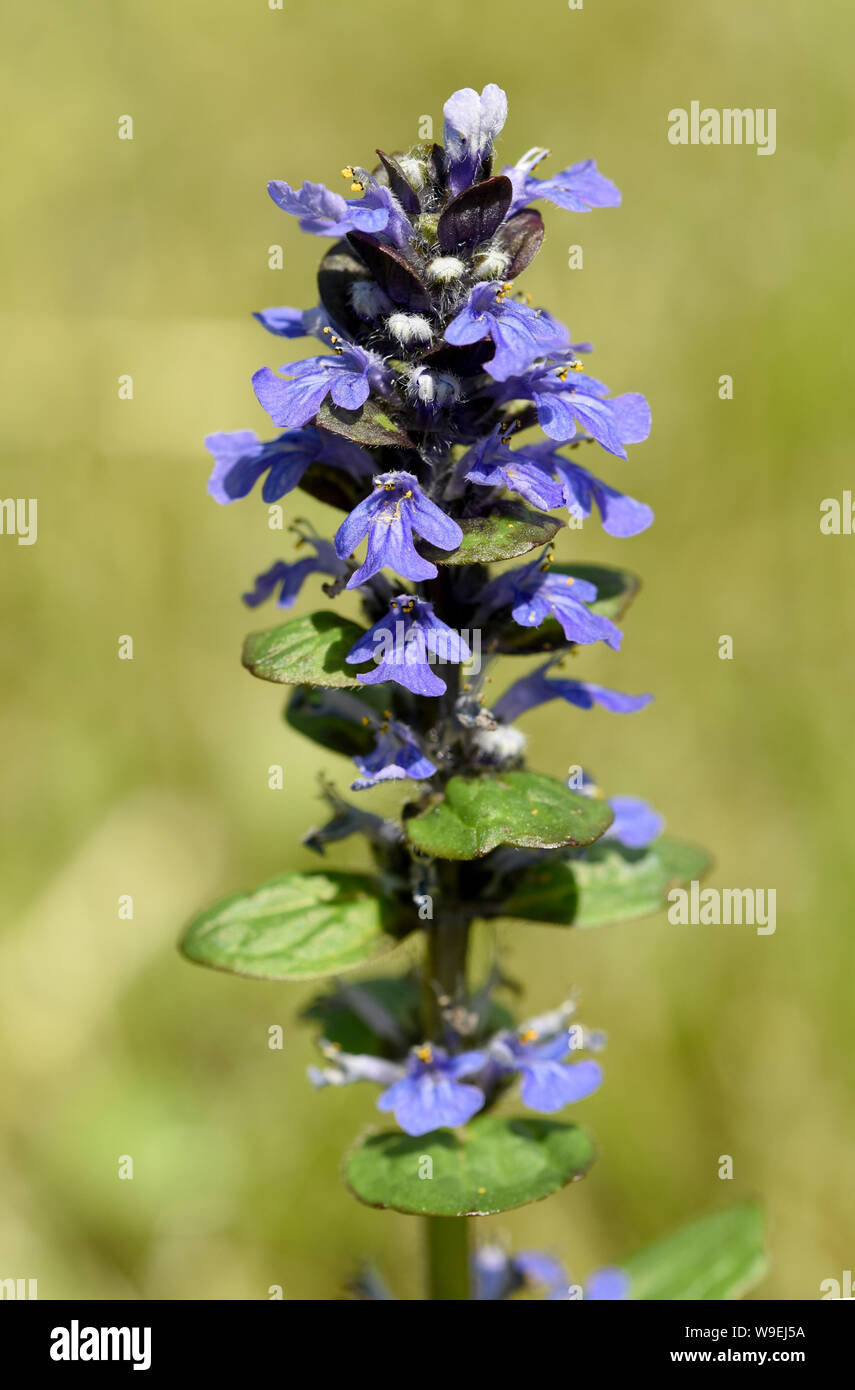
[305, 651]
[610, 883]
[511, 529]
[492, 1165]
[719, 1257]
[526, 809]
[371, 425]
[616, 590]
[295, 927]
[307, 711]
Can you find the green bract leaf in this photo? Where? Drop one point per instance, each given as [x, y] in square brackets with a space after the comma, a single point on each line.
[615, 591]
[490, 1166]
[719, 1257]
[338, 272]
[335, 486]
[511, 529]
[526, 809]
[305, 651]
[371, 425]
[353, 1027]
[307, 712]
[610, 883]
[401, 997]
[295, 927]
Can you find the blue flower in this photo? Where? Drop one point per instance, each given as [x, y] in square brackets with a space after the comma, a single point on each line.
[348, 1067]
[396, 755]
[491, 463]
[493, 1276]
[472, 122]
[424, 1092]
[565, 402]
[289, 578]
[547, 1082]
[536, 689]
[607, 1284]
[532, 594]
[240, 459]
[431, 1095]
[621, 515]
[325, 213]
[520, 334]
[635, 824]
[497, 1275]
[349, 374]
[286, 322]
[388, 516]
[400, 644]
[579, 188]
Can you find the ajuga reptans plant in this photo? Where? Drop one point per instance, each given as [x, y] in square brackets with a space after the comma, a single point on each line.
[445, 417]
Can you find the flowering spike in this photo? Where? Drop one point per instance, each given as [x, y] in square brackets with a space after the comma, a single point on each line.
[430, 363]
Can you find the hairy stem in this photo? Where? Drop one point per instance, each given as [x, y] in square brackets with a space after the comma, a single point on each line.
[448, 939]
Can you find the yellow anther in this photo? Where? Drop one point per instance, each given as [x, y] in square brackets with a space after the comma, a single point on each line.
[569, 579]
[357, 187]
[390, 487]
[577, 366]
[529, 1035]
[347, 172]
[328, 330]
[562, 375]
[366, 720]
[425, 1053]
[408, 493]
[387, 714]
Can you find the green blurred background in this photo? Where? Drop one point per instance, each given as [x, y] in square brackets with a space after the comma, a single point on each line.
[150, 777]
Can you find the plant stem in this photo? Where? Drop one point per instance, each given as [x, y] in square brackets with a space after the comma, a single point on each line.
[448, 1257]
[447, 1236]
